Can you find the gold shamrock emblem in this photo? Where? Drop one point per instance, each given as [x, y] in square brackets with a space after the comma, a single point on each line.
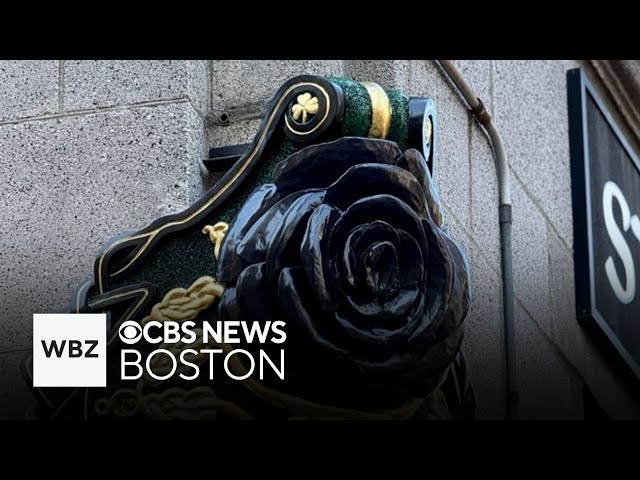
[307, 105]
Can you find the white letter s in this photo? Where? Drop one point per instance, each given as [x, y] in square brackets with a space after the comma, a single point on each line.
[625, 295]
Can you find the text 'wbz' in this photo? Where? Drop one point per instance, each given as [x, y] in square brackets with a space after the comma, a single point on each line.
[162, 363]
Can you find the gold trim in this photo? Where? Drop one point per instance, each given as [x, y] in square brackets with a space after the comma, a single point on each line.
[380, 110]
[151, 235]
[132, 310]
[216, 235]
[124, 294]
[298, 132]
[326, 114]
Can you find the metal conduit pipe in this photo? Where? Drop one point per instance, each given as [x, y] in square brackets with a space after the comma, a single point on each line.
[476, 107]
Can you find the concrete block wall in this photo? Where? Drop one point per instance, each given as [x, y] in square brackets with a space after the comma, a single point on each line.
[87, 149]
[143, 127]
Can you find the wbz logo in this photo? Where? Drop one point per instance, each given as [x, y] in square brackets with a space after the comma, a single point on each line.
[75, 348]
[69, 350]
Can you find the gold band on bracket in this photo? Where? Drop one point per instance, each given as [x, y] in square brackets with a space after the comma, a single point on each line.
[380, 110]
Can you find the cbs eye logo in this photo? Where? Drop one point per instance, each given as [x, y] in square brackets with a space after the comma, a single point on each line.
[130, 332]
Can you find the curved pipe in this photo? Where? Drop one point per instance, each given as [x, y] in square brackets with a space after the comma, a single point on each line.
[476, 107]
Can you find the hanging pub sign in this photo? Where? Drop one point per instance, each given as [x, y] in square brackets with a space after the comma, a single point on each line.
[606, 207]
[314, 280]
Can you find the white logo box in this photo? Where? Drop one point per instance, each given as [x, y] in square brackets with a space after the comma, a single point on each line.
[76, 344]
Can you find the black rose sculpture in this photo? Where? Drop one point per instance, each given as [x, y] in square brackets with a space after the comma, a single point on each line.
[347, 247]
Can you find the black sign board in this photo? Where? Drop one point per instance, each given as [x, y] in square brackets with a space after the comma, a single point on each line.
[606, 217]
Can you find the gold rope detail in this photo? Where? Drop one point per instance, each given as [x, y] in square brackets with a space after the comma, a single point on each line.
[200, 403]
[182, 305]
[175, 403]
[216, 235]
[122, 403]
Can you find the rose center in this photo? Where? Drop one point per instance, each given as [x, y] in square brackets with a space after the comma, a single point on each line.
[380, 262]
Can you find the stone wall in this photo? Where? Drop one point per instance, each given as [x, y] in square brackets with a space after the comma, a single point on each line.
[93, 148]
[87, 150]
